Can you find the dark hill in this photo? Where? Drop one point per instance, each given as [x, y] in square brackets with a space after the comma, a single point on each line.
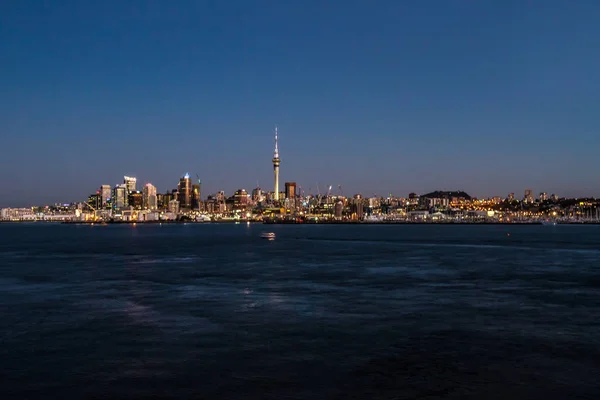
[438, 194]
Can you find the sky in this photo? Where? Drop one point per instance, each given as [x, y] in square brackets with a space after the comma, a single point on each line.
[489, 97]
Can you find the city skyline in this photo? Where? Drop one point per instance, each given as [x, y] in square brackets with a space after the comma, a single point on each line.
[489, 99]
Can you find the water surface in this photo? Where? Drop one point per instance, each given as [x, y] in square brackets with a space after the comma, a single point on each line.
[334, 312]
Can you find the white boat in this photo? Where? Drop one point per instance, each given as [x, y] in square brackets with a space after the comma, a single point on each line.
[548, 222]
[268, 235]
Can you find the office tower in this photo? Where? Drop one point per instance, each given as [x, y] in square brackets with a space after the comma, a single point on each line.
[276, 169]
[290, 190]
[149, 197]
[196, 203]
[95, 201]
[543, 196]
[528, 197]
[174, 206]
[257, 195]
[136, 200]
[104, 194]
[119, 197]
[185, 192]
[130, 183]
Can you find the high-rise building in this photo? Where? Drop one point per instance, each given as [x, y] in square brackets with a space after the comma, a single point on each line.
[276, 162]
[130, 183]
[543, 196]
[149, 197]
[136, 200]
[119, 198]
[257, 195]
[104, 194]
[338, 210]
[528, 196]
[174, 206]
[290, 190]
[196, 203]
[240, 198]
[185, 192]
[95, 201]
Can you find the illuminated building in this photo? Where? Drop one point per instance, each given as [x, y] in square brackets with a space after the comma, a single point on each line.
[257, 195]
[240, 199]
[150, 201]
[290, 190]
[185, 192]
[166, 199]
[528, 196]
[543, 196]
[357, 207]
[130, 183]
[338, 209]
[95, 201]
[276, 162]
[174, 206]
[196, 203]
[105, 194]
[119, 198]
[136, 200]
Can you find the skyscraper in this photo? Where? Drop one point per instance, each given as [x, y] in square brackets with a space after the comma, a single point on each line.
[185, 192]
[276, 169]
[120, 197]
[290, 190]
[196, 196]
[130, 183]
[104, 194]
[150, 201]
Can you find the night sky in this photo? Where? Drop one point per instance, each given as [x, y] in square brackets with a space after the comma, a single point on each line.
[378, 97]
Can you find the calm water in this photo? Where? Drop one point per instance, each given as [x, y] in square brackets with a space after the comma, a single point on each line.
[333, 312]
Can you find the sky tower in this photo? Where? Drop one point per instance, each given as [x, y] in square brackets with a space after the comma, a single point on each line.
[276, 168]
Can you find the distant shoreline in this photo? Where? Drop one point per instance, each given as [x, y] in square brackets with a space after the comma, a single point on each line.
[303, 223]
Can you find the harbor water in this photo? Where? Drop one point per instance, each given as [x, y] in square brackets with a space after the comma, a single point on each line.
[320, 312]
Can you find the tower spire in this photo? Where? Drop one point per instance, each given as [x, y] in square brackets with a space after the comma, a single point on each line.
[276, 154]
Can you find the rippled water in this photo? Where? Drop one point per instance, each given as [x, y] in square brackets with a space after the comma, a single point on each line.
[334, 312]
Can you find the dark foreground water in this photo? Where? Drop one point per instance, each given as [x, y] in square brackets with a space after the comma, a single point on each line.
[332, 312]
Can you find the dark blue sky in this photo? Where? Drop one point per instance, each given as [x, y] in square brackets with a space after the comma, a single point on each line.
[379, 97]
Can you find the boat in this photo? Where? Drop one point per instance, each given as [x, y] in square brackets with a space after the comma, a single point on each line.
[548, 222]
[268, 235]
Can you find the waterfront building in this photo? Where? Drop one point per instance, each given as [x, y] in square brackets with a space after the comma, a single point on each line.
[174, 206]
[185, 192]
[240, 199]
[130, 183]
[528, 196]
[196, 199]
[150, 201]
[119, 198]
[338, 210]
[276, 162]
[95, 201]
[357, 207]
[257, 195]
[105, 194]
[136, 200]
[18, 214]
[543, 196]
